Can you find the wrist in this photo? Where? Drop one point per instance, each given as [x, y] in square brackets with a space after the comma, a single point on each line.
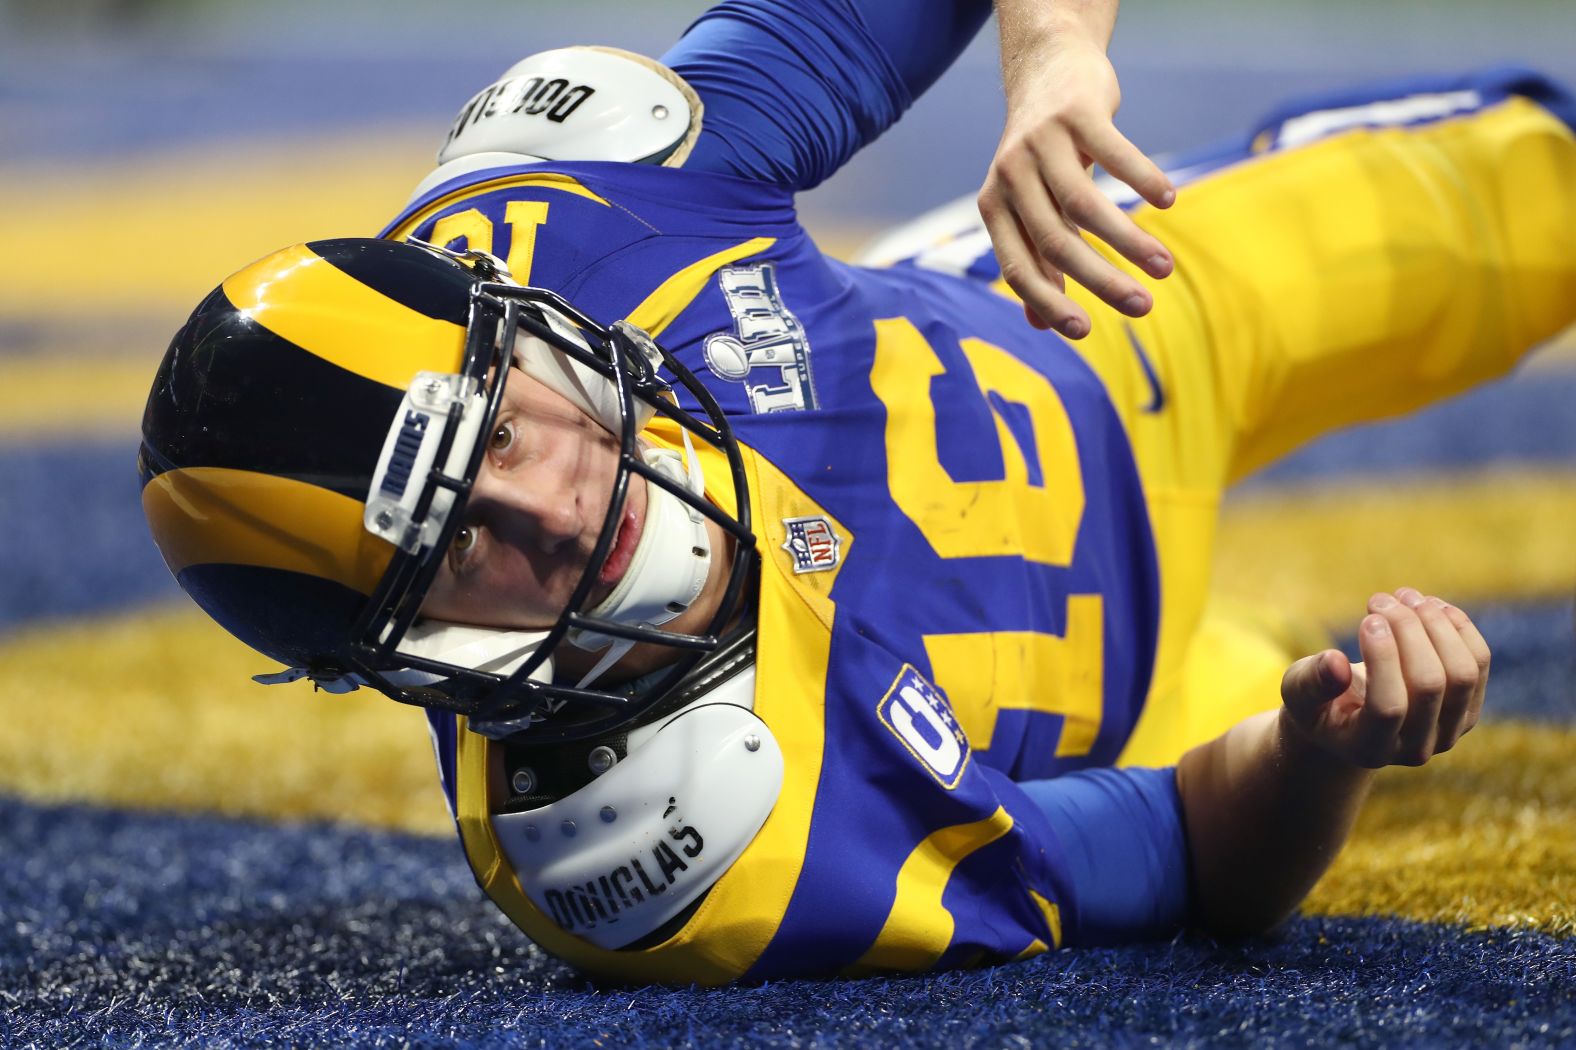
[1033, 27]
[1299, 749]
[1096, 18]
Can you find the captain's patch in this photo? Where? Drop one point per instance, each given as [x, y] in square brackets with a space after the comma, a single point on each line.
[920, 716]
[812, 544]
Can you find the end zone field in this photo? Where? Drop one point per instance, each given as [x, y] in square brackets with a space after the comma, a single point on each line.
[188, 858]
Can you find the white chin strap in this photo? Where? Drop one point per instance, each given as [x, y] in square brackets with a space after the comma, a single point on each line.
[491, 649]
[670, 565]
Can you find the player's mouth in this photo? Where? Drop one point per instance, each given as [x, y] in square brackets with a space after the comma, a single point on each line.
[623, 550]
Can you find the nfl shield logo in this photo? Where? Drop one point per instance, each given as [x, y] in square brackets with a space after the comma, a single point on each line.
[812, 544]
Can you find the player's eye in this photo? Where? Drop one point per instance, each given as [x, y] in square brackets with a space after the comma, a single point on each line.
[502, 437]
[464, 543]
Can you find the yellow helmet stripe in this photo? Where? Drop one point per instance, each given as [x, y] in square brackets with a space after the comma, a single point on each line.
[334, 316]
[218, 515]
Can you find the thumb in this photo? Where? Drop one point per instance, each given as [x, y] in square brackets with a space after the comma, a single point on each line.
[1316, 680]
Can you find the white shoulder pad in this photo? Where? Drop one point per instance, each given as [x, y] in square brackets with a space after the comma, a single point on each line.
[618, 858]
[573, 103]
[580, 103]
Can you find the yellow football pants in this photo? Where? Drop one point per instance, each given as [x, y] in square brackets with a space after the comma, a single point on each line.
[1341, 282]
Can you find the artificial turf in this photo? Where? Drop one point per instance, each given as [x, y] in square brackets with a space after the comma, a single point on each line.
[125, 929]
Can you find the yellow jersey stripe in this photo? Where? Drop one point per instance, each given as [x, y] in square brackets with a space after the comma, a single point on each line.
[674, 294]
[218, 515]
[1053, 916]
[919, 928]
[547, 180]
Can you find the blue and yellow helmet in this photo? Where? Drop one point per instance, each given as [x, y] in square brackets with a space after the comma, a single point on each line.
[313, 433]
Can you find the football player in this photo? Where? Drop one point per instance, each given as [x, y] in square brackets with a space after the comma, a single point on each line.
[777, 616]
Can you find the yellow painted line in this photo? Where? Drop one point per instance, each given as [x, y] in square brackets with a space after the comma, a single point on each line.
[155, 709]
[66, 397]
[1319, 551]
[1480, 836]
[160, 233]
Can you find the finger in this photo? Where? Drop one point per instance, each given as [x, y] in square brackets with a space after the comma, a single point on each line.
[1100, 140]
[1055, 211]
[1461, 670]
[1315, 680]
[1021, 269]
[1480, 653]
[1425, 681]
[1087, 207]
[1034, 319]
[1384, 704]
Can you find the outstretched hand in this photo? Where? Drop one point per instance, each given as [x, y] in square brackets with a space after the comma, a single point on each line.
[1038, 194]
[1418, 690]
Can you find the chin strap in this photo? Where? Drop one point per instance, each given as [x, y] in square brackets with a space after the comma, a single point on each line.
[670, 565]
[495, 650]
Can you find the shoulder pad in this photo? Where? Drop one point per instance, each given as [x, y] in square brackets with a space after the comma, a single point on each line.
[629, 851]
[580, 103]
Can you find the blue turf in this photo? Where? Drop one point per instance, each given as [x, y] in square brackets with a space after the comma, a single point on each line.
[76, 541]
[121, 929]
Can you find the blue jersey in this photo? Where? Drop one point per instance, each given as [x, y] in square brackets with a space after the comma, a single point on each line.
[958, 581]
[958, 587]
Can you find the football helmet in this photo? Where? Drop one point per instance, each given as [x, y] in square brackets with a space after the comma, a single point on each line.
[311, 439]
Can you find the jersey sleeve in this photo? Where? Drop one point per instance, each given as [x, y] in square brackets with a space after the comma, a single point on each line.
[792, 91]
[1122, 836]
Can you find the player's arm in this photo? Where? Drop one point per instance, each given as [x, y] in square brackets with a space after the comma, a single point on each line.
[1038, 195]
[792, 90]
[1124, 852]
[1269, 804]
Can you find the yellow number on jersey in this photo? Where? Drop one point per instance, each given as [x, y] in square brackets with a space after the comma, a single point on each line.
[984, 672]
[523, 219]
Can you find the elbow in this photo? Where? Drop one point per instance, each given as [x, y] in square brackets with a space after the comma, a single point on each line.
[1241, 920]
[1242, 924]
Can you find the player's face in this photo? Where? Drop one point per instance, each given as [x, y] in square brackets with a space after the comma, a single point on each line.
[534, 515]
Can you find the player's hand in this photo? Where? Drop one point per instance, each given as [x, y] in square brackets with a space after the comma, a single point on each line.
[1418, 690]
[1039, 194]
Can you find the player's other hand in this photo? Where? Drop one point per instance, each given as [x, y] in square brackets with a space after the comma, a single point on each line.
[1039, 194]
[1418, 690]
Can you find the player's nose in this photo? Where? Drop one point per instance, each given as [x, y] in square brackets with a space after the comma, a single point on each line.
[532, 515]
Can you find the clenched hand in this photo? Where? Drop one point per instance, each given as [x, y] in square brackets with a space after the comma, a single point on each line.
[1418, 690]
